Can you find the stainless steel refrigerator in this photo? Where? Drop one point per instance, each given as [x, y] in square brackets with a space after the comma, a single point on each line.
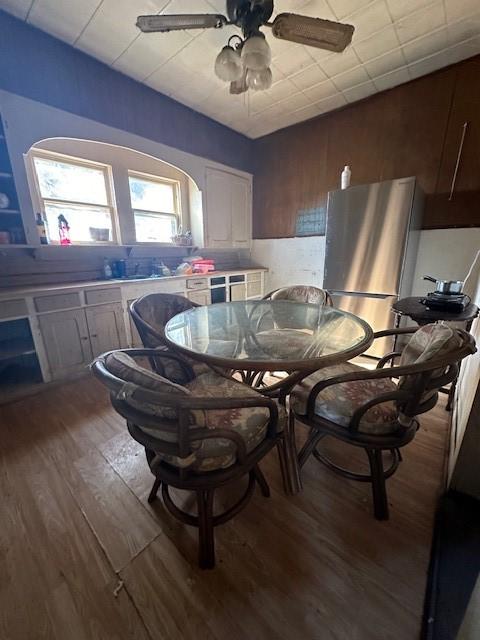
[371, 248]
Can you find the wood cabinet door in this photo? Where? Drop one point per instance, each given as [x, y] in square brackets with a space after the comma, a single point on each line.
[238, 291]
[201, 296]
[66, 340]
[106, 327]
[462, 207]
[219, 209]
[229, 209]
[241, 212]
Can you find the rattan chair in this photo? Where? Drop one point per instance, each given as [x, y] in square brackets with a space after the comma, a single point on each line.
[151, 312]
[301, 293]
[368, 409]
[199, 433]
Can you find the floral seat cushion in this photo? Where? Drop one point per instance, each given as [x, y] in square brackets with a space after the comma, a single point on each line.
[250, 422]
[430, 342]
[207, 455]
[280, 344]
[339, 402]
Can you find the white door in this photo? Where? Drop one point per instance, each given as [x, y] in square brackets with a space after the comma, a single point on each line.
[66, 340]
[106, 327]
[228, 210]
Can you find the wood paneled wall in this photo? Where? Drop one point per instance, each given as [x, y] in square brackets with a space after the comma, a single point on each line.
[413, 129]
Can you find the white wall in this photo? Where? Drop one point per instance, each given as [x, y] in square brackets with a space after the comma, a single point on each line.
[27, 122]
[445, 253]
[291, 260]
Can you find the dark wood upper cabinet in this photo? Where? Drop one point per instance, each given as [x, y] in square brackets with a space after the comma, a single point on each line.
[411, 130]
[456, 203]
[416, 120]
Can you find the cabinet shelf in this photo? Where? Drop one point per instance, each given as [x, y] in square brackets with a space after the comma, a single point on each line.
[15, 212]
[16, 347]
[6, 175]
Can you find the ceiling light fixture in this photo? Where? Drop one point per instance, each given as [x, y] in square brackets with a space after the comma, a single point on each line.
[228, 64]
[246, 64]
[256, 53]
[259, 80]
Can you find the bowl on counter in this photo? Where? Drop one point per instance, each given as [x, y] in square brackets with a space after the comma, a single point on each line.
[99, 235]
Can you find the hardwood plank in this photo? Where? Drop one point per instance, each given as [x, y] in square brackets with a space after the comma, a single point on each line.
[315, 565]
[121, 523]
[50, 558]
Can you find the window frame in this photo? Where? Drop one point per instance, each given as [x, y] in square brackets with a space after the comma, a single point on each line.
[109, 191]
[177, 203]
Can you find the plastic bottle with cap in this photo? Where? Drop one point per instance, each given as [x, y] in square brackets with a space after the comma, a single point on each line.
[346, 175]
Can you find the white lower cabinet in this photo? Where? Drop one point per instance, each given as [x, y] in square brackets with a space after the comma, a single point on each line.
[66, 340]
[202, 297]
[106, 328]
[73, 338]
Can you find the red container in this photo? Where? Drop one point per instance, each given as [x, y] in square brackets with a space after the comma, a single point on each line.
[203, 266]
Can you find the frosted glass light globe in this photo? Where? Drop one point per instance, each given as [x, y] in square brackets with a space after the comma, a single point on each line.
[259, 80]
[256, 53]
[228, 65]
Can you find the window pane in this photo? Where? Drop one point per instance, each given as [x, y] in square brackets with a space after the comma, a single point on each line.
[87, 223]
[154, 228]
[65, 181]
[152, 196]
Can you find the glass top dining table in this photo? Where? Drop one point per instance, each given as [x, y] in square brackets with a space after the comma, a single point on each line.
[255, 336]
[269, 335]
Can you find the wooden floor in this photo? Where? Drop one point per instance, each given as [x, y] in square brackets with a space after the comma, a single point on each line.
[83, 556]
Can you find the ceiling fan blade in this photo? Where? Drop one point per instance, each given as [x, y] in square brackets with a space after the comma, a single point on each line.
[160, 23]
[313, 32]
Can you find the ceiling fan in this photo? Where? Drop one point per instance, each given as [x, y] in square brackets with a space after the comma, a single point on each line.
[245, 62]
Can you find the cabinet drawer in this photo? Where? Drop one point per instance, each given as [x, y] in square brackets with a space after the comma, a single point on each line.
[59, 301]
[97, 296]
[13, 308]
[197, 283]
[254, 277]
[254, 289]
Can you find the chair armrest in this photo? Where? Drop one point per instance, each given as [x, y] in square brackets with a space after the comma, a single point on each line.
[375, 374]
[394, 332]
[228, 434]
[362, 410]
[388, 356]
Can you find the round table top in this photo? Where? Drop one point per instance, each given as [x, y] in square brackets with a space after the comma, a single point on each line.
[269, 335]
[418, 312]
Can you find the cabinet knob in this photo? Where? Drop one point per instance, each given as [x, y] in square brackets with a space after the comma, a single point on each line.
[94, 335]
[84, 338]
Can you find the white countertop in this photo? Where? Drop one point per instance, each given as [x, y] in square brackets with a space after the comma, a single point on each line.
[16, 292]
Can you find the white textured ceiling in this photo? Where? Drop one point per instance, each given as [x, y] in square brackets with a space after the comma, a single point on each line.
[394, 41]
